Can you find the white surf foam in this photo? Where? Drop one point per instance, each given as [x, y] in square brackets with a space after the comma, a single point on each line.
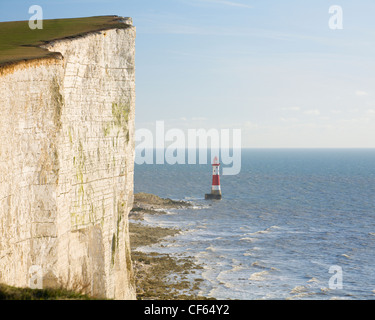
[259, 276]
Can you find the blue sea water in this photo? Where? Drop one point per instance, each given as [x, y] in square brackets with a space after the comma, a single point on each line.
[284, 221]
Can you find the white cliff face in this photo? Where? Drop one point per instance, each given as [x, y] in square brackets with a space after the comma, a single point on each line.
[66, 166]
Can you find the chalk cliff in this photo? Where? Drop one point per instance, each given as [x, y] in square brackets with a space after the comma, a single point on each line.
[66, 165]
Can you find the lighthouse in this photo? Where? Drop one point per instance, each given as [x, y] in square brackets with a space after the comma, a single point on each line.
[215, 189]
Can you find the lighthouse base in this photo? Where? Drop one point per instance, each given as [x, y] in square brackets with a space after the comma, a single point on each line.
[210, 196]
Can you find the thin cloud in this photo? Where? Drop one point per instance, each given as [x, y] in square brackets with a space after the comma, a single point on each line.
[314, 112]
[291, 109]
[361, 93]
[223, 2]
[336, 111]
[230, 3]
[156, 25]
[289, 119]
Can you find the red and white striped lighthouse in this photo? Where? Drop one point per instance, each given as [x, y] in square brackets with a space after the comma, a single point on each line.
[215, 189]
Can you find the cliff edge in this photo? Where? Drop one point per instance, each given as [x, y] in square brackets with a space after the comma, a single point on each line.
[67, 161]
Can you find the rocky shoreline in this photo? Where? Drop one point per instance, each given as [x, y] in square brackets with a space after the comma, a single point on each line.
[146, 203]
[160, 276]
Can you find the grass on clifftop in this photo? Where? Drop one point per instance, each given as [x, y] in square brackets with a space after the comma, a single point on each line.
[19, 42]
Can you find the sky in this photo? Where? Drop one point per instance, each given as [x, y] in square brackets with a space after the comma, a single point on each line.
[274, 69]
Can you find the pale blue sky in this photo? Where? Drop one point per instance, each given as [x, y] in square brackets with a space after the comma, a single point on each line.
[272, 68]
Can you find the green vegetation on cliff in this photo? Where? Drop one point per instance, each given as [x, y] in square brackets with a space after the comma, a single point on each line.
[13, 293]
[18, 42]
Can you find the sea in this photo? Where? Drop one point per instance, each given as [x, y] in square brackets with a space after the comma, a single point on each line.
[293, 224]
